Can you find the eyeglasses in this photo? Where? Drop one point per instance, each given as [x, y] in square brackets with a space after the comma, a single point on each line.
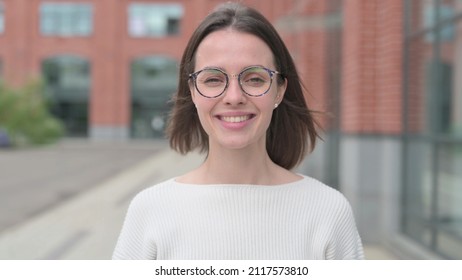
[254, 81]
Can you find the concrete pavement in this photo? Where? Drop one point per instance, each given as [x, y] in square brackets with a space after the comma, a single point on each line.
[34, 179]
[87, 225]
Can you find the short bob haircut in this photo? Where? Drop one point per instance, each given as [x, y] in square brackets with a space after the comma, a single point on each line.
[292, 122]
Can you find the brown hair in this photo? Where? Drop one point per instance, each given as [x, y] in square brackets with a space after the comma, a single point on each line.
[292, 122]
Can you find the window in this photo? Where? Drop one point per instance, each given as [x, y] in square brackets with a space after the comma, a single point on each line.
[68, 85]
[2, 18]
[154, 20]
[432, 209]
[66, 19]
[154, 80]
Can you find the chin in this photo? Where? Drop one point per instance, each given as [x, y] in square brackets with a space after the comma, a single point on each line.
[237, 144]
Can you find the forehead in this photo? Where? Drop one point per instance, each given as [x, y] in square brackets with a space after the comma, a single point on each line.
[232, 50]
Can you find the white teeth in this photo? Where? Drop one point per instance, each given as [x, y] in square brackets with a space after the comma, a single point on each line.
[235, 119]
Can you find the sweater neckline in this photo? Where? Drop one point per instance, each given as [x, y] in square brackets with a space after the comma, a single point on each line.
[294, 183]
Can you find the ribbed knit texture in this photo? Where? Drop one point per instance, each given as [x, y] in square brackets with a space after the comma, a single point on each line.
[301, 220]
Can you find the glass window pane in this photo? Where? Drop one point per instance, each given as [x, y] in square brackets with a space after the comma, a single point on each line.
[435, 92]
[154, 20]
[154, 80]
[450, 197]
[449, 245]
[68, 83]
[66, 19]
[433, 187]
[418, 194]
[451, 103]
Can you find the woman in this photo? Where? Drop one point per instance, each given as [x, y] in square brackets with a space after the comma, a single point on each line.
[240, 100]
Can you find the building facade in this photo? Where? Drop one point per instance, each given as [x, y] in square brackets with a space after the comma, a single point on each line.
[386, 75]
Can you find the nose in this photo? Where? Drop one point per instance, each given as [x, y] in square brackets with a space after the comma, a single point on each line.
[234, 94]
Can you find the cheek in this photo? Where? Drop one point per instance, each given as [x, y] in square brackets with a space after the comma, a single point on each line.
[204, 108]
[274, 98]
[267, 109]
[203, 105]
[202, 116]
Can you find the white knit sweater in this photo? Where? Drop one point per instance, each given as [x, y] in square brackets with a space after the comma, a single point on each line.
[301, 220]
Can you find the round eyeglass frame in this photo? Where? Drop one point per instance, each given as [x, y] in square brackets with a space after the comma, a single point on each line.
[270, 72]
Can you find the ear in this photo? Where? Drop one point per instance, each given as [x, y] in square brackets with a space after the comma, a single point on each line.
[281, 91]
[192, 91]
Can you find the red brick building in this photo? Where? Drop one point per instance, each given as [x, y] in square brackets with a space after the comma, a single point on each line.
[309, 28]
[387, 74]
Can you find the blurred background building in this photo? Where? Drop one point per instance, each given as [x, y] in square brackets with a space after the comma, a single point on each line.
[387, 74]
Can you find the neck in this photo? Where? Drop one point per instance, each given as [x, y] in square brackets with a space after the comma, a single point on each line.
[247, 166]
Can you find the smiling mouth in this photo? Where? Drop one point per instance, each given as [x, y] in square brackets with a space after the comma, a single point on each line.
[236, 119]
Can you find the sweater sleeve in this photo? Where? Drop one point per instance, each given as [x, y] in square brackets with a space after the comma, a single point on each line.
[345, 241]
[133, 242]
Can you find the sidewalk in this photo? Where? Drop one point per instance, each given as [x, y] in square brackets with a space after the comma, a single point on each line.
[34, 179]
[87, 226]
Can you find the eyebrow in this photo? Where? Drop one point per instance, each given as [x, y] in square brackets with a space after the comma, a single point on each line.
[213, 67]
[242, 69]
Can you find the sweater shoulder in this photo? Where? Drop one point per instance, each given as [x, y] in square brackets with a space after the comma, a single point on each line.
[319, 188]
[149, 196]
[326, 196]
[159, 187]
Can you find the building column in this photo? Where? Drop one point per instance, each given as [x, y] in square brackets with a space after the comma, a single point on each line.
[17, 31]
[371, 94]
[109, 106]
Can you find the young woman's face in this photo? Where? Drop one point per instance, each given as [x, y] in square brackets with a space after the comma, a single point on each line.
[235, 120]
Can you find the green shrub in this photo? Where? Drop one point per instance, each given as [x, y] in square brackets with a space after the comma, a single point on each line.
[25, 116]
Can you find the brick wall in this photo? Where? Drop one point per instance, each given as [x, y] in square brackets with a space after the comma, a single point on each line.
[304, 28]
[370, 67]
[109, 50]
[372, 72]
